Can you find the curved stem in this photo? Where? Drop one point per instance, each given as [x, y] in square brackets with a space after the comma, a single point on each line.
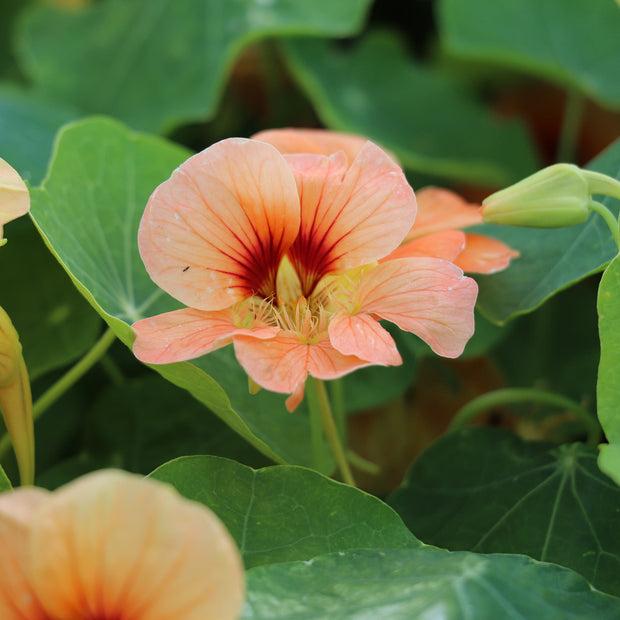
[331, 432]
[65, 382]
[609, 217]
[571, 125]
[519, 395]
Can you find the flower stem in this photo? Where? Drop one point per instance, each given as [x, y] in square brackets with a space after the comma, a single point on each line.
[571, 125]
[331, 431]
[65, 382]
[518, 395]
[609, 218]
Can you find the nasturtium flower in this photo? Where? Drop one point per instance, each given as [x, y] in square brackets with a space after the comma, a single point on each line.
[14, 196]
[115, 546]
[437, 232]
[280, 254]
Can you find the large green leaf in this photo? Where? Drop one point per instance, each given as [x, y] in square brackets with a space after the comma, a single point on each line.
[608, 390]
[155, 63]
[283, 513]
[145, 422]
[88, 211]
[54, 322]
[485, 490]
[550, 260]
[393, 584]
[28, 125]
[572, 42]
[426, 118]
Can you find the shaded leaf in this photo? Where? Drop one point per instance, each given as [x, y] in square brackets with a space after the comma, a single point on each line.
[283, 513]
[485, 490]
[54, 322]
[421, 583]
[430, 122]
[550, 260]
[154, 64]
[572, 42]
[5, 483]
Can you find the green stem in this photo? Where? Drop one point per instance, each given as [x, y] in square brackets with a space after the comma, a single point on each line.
[362, 464]
[609, 218]
[599, 183]
[66, 381]
[316, 425]
[331, 432]
[338, 405]
[518, 395]
[571, 125]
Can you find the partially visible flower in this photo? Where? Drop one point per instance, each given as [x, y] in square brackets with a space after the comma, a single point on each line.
[14, 196]
[436, 232]
[115, 546]
[280, 255]
[15, 398]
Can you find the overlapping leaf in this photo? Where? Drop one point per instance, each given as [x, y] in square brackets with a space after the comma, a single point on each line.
[393, 584]
[426, 118]
[572, 42]
[485, 490]
[282, 513]
[550, 260]
[155, 63]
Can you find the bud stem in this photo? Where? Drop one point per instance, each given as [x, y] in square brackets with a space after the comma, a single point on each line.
[609, 218]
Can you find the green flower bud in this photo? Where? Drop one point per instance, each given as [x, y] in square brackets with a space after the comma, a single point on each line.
[550, 198]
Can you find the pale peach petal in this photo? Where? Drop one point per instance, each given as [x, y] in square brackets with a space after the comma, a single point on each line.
[429, 297]
[484, 254]
[447, 244]
[186, 334]
[283, 363]
[312, 141]
[215, 232]
[14, 196]
[17, 598]
[116, 545]
[348, 218]
[441, 209]
[362, 336]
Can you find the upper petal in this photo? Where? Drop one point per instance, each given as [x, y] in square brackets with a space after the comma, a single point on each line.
[441, 209]
[363, 336]
[18, 600]
[116, 545]
[447, 244]
[429, 297]
[187, 334]
[349, 216]
[312, 141]
[215, 232]
[484, 254]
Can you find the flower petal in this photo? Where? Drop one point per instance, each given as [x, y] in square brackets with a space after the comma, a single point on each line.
[363, 336]
[349, 217]
[429, 297]
[447, 244]
[484, 254]
[441, 209]
[312, 141]
[186, 334]
[14, 196]
[283, 363]
[17, 598]
[116, 545]
[215, 232]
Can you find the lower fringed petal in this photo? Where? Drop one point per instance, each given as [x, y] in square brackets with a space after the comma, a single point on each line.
[484, 254]
[187, 334]
[282, 364]
[426, 296]
[362, 336]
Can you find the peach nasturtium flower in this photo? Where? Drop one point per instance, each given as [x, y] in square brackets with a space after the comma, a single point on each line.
[14, 196]
[279, 254]
[115, 546]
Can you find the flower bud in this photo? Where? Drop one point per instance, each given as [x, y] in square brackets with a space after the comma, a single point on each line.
[14, 197]
[550, 198]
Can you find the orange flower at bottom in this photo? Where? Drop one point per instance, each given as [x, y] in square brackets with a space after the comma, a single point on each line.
[115, 546]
